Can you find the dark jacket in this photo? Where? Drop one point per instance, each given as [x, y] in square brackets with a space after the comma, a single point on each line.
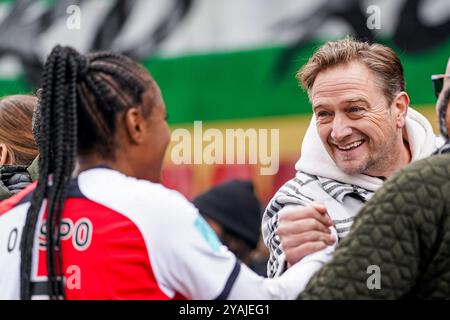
[405, 231]
[14, 178]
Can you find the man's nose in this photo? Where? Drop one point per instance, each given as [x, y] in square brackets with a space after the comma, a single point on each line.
[341, 129]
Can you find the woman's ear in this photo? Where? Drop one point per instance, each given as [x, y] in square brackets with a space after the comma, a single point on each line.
[135, 125]
[3, 154]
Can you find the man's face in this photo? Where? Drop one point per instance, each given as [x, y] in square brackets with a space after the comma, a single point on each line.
[354, 120]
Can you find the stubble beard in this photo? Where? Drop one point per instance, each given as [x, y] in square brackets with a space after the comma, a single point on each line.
[376, 160]
[384, 158]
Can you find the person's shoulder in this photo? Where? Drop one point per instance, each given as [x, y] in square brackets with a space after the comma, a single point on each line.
[299, 182]
[428, 178]
[414, 199]
[19, 198]
[300, 190]
[115, 189]
[435, 167]
[4, 192]
[33, 169]
[159, 193]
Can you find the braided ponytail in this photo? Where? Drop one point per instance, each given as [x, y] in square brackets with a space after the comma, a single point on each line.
[81, 96]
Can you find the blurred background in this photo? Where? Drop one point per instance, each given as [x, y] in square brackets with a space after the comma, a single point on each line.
[228, 63]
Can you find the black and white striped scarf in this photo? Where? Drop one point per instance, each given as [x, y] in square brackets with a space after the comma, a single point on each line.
[295, 192]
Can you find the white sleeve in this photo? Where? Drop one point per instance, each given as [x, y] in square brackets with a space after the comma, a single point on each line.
[195, 264]
[287, 286]
[188, 258]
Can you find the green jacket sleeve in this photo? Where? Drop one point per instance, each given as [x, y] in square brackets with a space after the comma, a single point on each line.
[33, 169]
[398, 238]
[6, 171]
[4, 192]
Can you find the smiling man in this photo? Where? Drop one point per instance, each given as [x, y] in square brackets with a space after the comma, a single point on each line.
[356, 123]
[362, 131]
[411, 260]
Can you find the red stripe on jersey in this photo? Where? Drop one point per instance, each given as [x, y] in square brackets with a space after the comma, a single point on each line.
[104, 255]
[12, 201]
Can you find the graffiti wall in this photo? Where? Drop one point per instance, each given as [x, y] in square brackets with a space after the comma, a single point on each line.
[230, 63]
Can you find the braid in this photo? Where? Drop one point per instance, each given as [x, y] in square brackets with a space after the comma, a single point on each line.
[115, 83]
[26, 244]
[81, 96]
[123, 79]
[57, 140]
[95, 113]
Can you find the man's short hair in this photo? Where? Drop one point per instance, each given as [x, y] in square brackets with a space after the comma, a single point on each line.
[382, 60]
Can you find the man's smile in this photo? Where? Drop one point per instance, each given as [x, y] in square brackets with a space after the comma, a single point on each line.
[350, 146]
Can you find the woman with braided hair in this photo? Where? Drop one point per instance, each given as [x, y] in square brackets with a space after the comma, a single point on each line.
[97, 224]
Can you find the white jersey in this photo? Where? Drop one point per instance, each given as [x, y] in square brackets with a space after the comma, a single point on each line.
[125, 238]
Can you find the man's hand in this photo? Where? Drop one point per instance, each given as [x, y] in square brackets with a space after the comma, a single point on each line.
[304, 230]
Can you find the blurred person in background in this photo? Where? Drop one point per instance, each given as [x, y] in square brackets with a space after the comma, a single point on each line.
[441, 83]
[399, 245]
[18, 149]
[234, 212]
[362, 131]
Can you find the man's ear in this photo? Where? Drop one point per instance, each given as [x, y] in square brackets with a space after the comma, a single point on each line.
[4, 156]
[400, 107]
[135, 125]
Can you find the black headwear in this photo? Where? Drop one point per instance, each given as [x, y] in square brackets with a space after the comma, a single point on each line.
[235, 206]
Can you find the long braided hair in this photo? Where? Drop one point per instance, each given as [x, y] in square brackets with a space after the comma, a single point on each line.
[80, 99]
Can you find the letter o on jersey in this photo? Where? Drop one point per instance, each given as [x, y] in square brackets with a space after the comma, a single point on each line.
[12, 239]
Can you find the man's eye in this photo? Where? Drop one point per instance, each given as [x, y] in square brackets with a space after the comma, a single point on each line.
[355, 109]
[322, 114]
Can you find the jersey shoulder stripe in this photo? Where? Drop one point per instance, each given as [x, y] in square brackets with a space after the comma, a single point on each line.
[230, 282]
[27, 194]
[22, 197]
